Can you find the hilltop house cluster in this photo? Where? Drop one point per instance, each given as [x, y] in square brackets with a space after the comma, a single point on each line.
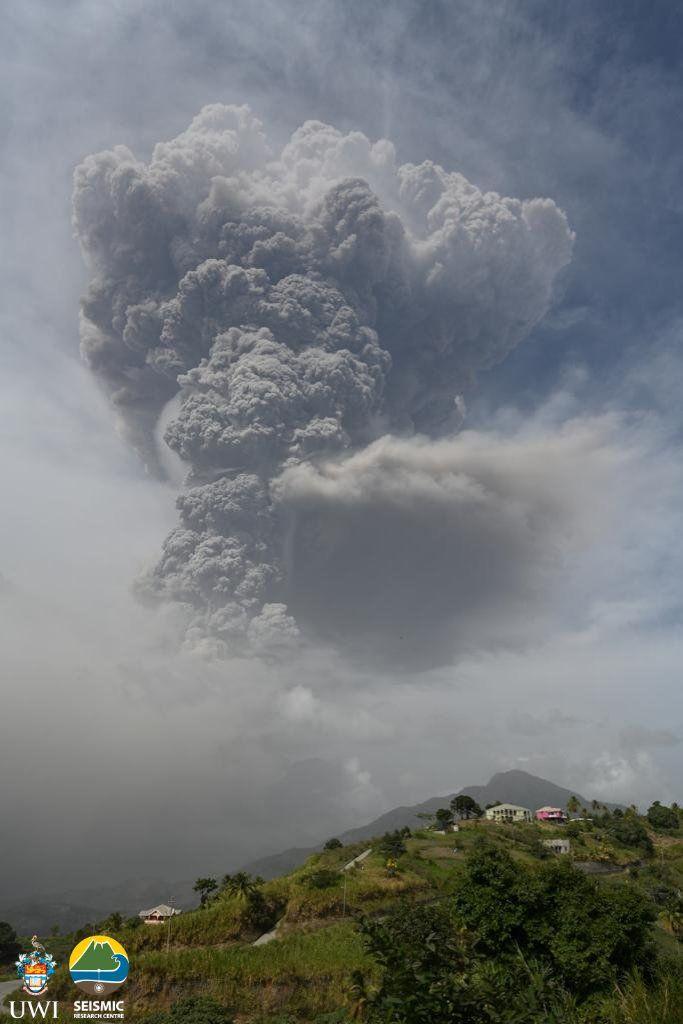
[504, 814]
[507, 813]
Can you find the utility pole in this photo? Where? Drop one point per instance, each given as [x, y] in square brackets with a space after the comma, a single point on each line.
[171, 904]
[344, 897]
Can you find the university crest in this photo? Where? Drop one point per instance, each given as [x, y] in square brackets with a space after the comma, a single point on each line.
[35, 969]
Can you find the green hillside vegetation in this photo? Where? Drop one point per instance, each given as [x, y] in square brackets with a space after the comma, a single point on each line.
[483, 926]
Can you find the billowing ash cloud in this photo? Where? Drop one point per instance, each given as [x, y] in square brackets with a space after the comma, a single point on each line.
[298, 307]
[416, 548]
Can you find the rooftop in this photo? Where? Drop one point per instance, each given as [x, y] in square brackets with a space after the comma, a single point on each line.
[163, 910]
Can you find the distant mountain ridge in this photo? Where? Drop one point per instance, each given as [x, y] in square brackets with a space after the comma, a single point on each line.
[73, 908]
[511, 787]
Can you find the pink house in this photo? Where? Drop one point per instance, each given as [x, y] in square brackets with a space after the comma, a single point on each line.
[552, 814]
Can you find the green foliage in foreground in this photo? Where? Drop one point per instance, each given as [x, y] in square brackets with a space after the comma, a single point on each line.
[9, 945]
[637, 1002]
[497, 932]
[193, 1011]
[431, 974]
[529, 945]
[586, 936]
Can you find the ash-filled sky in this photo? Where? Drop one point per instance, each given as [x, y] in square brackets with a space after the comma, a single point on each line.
[339, 419]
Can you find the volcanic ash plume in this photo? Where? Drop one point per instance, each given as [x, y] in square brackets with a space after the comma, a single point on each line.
[296, 308]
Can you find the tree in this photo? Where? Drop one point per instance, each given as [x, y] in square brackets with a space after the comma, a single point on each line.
[629, 831]
[444, 817]
[392, 845]
[256, 911]
[424, 963]
[662, 817]
[9, 947]
[113, 923]
[584, 935]
[465, 807]
[573, 805]
[431, 973]
[333, 844]
[206, 887]
[242, 885]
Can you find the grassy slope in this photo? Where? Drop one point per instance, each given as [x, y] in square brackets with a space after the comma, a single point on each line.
[308, 969]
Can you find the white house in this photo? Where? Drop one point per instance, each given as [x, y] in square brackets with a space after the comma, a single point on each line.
[557, 845]
[157, 915]
[505, 813]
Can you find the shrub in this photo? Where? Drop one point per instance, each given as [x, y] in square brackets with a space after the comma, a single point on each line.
[392, 844]
[432, 974]
[323, 878]
[629, 831]
[195, 1010]
[424, 964]
[584, 935]
[662, 817]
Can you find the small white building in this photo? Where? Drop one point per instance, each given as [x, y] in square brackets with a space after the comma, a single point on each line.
[158, 915]
[453, 827]
[507, 813]
[560, 846]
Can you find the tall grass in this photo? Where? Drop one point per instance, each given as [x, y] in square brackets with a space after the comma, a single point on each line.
[636, 1003]
[301, 973]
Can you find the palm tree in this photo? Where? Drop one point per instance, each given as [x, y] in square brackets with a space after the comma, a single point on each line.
[242, 885]
[573, 805]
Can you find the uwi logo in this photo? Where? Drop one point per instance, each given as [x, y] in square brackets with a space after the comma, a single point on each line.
[98, 965]
[35, 969]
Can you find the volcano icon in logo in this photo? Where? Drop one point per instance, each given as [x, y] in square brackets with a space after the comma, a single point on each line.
[98, 965]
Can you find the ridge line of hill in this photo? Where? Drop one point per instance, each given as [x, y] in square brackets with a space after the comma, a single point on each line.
[514, 786]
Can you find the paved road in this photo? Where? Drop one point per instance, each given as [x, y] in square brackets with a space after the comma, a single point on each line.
[5, 988]
[357, 860]
[268, 937]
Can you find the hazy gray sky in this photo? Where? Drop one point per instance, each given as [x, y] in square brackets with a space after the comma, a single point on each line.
[528, 565]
